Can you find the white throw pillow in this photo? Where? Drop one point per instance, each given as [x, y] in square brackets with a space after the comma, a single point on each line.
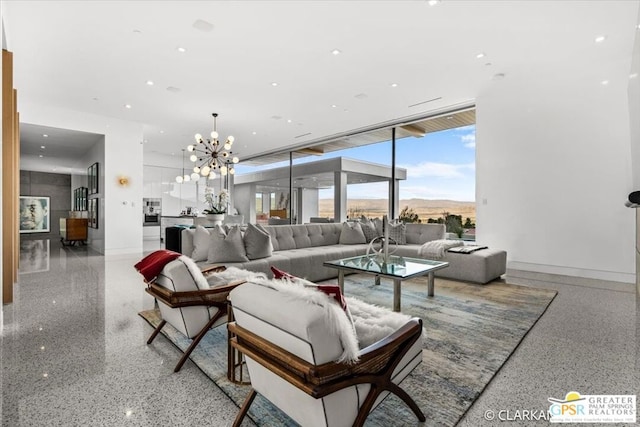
[351, 234]
[201, 239]
[226, 247]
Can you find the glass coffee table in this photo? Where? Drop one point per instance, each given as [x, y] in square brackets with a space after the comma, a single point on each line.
[397, 268]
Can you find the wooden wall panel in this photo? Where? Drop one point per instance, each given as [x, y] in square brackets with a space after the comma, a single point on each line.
[10, 180]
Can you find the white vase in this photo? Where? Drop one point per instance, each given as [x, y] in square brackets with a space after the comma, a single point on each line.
[215, 219]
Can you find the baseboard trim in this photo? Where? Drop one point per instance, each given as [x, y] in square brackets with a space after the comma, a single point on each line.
[583, 273]
[524, 277]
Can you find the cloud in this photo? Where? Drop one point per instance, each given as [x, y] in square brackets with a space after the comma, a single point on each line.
[437, 170]
[469, 140]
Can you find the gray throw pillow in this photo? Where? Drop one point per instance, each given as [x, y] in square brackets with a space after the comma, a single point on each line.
[369, 229]
[377, 222]
[257, 242]
[351, 234]
[201, 239]
[398, 232]
[226, 247]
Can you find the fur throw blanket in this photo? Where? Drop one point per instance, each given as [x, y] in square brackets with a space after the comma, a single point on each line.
[232, 274]
[435, 249]
[337, 319]
[373, 323]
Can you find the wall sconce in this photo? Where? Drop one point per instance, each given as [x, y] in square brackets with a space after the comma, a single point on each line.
[123, 181]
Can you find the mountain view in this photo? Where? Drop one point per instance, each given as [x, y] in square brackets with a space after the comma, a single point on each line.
[425, 208]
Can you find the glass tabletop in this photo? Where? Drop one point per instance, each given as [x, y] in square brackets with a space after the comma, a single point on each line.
[396, 266]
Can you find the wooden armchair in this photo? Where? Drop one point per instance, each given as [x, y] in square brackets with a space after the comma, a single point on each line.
[290, 355]
[187, 307]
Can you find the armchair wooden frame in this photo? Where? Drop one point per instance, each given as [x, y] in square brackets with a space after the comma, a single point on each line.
[214, 297]
[375, 367]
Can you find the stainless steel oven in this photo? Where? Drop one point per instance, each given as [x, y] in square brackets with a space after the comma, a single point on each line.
[151, 210]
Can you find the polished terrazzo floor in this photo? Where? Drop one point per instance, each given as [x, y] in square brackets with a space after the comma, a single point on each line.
[74, 353]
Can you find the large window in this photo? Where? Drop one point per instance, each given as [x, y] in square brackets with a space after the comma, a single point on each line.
[440, 184]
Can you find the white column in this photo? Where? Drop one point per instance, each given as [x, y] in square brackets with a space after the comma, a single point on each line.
[340, 196]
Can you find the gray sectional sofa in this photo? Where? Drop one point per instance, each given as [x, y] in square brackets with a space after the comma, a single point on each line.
[301, 249]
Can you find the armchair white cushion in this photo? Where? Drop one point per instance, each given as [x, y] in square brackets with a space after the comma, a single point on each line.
[286, 323]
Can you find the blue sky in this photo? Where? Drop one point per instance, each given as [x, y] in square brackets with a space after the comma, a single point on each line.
[440, 165]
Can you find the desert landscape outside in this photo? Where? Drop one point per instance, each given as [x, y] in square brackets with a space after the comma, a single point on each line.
[424, 208]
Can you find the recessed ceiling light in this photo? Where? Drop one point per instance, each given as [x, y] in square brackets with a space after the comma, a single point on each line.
[336, 51]
[633, 75]
[203, 25]
[181, 49]
[128, 106]
[274, 84]
[43, 147]
[394, 84]
[600, 39]
[44, 135]
[161, 131]
[604, 82]
[254, 132]
[149, 82]
[333, 105]
[288, 120]
[433, 2]
[480, 55]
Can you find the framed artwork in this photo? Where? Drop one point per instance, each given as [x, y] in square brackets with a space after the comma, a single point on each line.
[93, 174]
[93, 213]
[80, 199]
[34, 214]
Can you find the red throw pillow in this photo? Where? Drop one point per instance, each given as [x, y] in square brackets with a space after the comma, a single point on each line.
[280, 274]
[335, 292]
[331, 290]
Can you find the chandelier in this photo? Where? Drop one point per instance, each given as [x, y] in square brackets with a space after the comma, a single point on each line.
[211, 154]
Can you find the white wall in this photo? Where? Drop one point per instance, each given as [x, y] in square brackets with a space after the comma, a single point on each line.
[553, 171]
[120, 206]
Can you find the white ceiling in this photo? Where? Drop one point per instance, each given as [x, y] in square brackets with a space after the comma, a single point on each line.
[96, 56]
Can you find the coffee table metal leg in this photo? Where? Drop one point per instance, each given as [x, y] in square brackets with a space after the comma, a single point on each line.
[432, 285]
[341, 280]
[396, 295]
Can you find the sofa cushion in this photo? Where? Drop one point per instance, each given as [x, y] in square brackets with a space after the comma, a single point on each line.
[421, 233]
[352, 234]
[201, 240]
[257, 242]
[226, 247]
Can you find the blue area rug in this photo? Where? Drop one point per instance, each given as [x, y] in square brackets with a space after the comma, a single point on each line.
[471, 330]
